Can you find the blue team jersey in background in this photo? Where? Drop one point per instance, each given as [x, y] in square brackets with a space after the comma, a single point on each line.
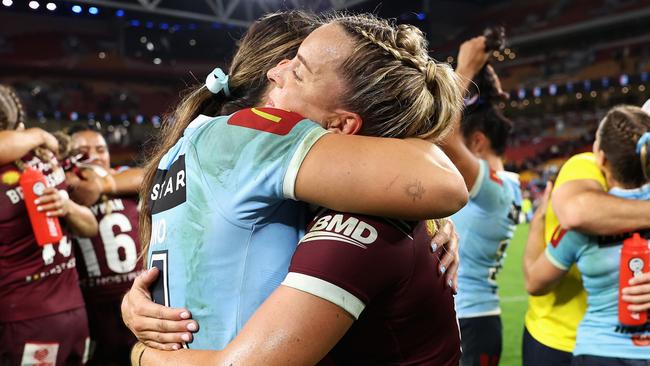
[485, 227]
[600, 333]
[224, 226]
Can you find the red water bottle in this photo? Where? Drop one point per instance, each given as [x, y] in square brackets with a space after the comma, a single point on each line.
[635, 260]
[47, 230]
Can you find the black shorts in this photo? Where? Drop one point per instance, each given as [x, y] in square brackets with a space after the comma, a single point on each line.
[585, 360]
[537, 354]
[111, 339]
[58, 339]
[481, 340]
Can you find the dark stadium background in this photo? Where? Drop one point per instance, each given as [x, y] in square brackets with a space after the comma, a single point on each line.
[121, 65]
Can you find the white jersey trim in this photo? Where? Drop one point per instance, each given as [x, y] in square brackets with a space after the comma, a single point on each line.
[325, 290]
[479, 179]
[554, 261]
[496, 311]
[199, 121]
[289, 182]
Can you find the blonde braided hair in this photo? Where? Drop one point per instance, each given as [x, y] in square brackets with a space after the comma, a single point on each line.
[393, 82]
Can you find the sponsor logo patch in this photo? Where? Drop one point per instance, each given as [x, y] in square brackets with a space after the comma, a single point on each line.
[339, 228]
[169, 189]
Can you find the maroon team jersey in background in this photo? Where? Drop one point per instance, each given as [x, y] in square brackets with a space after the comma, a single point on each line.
[384, 274]
[109, 262]
[32, 286]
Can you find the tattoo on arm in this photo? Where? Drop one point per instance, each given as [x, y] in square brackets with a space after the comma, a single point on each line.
[415, 190]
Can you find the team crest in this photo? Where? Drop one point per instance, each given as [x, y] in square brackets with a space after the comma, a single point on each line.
[10, 178]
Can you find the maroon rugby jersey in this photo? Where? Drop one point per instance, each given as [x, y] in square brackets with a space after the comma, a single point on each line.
[386, 276]
[32, 284]
[108, 262]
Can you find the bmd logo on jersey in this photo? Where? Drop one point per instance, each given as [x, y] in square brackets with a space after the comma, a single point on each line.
[169, 188]
[276, 121]
[337, 228]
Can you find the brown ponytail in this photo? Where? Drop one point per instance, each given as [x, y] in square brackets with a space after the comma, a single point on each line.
[618, 133]
[268, 41]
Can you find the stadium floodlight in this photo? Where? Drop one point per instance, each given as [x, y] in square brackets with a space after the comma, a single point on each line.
[51, 6]
[77, 9]
[93, 10]
[119, 13]
[157, 61]
[34, 4]
[7, 3]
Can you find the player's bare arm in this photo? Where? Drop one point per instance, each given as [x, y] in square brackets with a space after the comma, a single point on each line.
[15, 144]
[292, 327]
[582, 205]
[79, 218]
[410, 179]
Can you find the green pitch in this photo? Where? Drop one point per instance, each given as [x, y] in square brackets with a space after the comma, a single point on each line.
[513, 299]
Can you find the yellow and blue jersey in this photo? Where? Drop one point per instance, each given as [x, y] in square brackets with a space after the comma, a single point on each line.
[224, 220]
[485, 227]
[552, 319]
[598, 259]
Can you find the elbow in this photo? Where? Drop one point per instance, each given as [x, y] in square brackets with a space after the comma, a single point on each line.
[535, 288]
[570, 217]
[457, 196]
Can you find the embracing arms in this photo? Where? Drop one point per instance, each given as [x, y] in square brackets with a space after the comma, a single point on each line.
[410, 179]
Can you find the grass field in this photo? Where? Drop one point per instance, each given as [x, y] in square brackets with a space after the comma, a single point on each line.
[513, 299]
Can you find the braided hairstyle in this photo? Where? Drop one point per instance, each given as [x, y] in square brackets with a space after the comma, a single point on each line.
[12, 116]
[393, 82]
[618, 134]
[12, 113]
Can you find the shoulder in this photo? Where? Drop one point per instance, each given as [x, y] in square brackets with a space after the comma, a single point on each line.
[580, 166]
[272, 120]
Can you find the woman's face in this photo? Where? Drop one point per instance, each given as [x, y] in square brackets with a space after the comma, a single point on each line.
[309, 84]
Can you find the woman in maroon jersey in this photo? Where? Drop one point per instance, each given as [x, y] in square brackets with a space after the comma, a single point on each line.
[107, 262]
[42, 315]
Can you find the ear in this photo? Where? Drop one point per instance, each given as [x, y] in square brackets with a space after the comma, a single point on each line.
[344, 122]
[601, 159]
[478, 143]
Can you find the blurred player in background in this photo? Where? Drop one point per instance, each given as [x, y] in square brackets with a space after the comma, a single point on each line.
[42, 314]
[620, 150]
[579, 201]
[487, 223]
[109, 261]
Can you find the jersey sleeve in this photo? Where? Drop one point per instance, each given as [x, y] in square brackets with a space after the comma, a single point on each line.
[488, 188]
[565, 248]
[252, 160]
[348, 267]
[581, 166]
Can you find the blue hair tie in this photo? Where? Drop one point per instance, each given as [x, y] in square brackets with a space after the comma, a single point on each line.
[217, 81]
[643, 140]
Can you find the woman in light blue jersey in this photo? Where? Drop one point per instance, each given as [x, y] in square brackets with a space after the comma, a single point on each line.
[621, 149]
[487, 223]
[374, 180]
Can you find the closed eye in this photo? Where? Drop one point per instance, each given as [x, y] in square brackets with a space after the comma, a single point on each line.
[295, 74]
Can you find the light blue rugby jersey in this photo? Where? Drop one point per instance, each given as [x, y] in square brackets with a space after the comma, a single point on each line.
[600, 333]
[485, 226]
[224, 225]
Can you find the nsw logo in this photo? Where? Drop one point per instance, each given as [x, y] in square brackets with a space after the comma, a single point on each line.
[339, 228]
